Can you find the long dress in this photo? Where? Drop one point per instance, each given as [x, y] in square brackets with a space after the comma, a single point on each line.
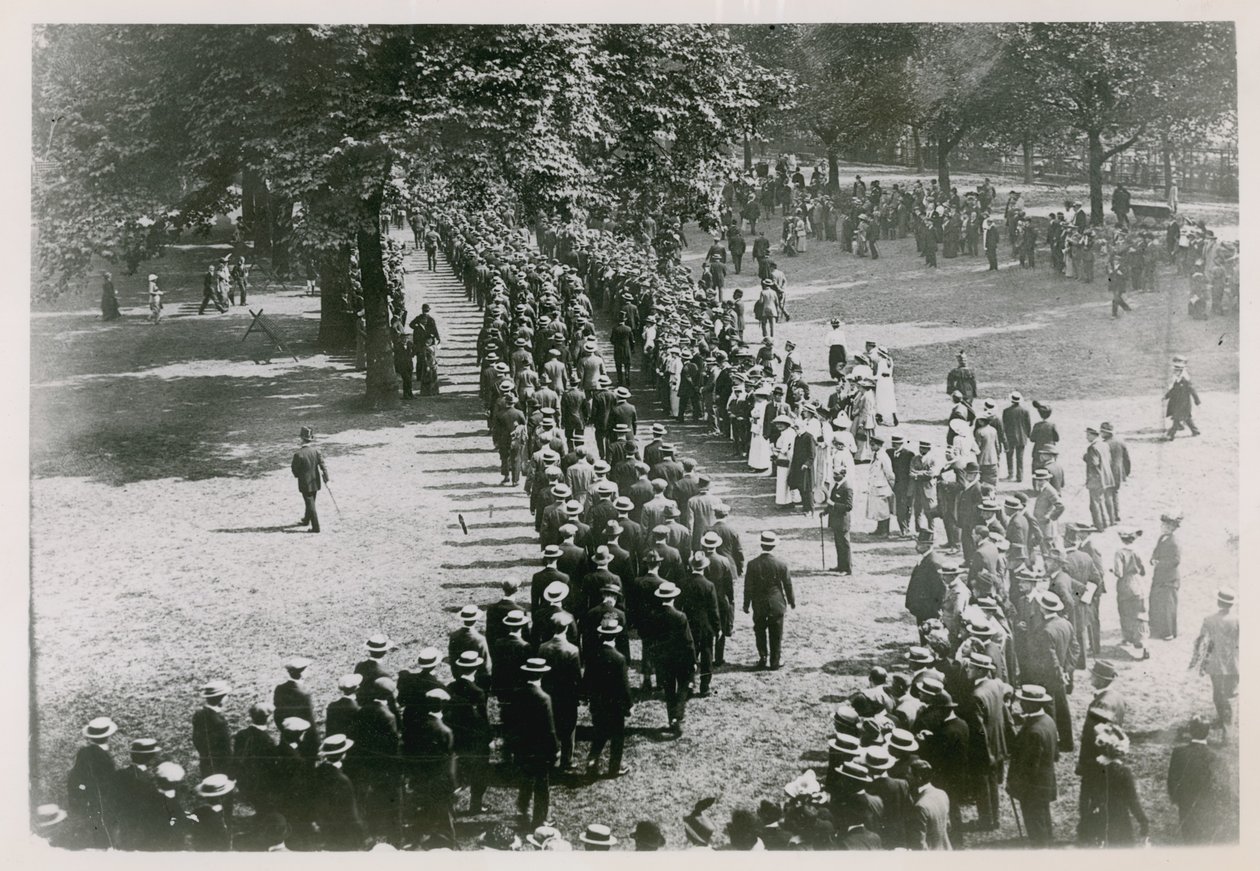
[783, 494]
[109, 303]
[879, 488]
[821, 431]
[1131, 596]
[885, 389]
[863, 423]
[758, 444]
[1165, 584]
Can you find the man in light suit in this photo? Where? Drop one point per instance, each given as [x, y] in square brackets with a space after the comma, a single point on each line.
[928, 824]
[308, 467]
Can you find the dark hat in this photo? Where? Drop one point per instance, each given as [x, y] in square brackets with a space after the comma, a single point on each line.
[920, 656]
[648, 834]
[941, 699]
[144, 747]
[925, 536]
[1106, 427]
[1103, 670]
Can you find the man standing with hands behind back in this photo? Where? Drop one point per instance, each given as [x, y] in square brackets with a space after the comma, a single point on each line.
[308, 467]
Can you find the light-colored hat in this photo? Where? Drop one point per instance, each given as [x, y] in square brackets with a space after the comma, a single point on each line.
[296, 724]
[216, 785]
[349, 681]
[378, 644]
[428, 657]
[556, 591]
[667, 590]
[335, 745]
[598, 836]
[214, 689]
[100, 729]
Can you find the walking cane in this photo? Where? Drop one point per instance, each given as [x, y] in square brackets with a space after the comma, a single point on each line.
[822, 542]
[1014, 810]
[333, 498]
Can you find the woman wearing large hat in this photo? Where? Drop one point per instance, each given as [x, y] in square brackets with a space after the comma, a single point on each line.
[1166, 578]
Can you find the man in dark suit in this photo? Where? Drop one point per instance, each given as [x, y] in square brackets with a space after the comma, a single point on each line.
[374, 762]
[495, 614]
[90, 785]
[373, 667]
[563, 683]
[291, 699]
[945, 745]
[212, 738]
[339, 717]
[535, 740]
[967, 509]
[1193, 787]
[136, 796]
[926, 591]
[988, 723]
[608, 688]
[510, 653]
[309, 469]
[671, 566]
[1052, 654]
[334, 806]
[893, 792]
[428, 750]
[469, 720]
[699, 602]
[1107, 706]
[212, 829]
[730, 546]
[414, 685]
[466, 637]
[545, 576]
[838, 510]
[1016, 428]
[253, 753]
[768, 594]
[721, 571]
[1031, 779]
[673, 651]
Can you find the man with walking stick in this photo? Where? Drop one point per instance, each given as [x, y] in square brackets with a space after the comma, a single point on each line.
[309, 469]
[839, 506]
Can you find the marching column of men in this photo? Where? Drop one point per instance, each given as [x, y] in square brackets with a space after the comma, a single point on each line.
[634, 545]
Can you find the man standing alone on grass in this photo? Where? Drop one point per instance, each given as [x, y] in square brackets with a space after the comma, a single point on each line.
[768, 593]
[308, 467]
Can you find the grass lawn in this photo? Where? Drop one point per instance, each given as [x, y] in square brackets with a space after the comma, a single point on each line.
[161, 500]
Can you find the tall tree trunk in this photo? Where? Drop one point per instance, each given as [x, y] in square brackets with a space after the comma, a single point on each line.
[256, 209]
[336, 319]
[1028, 146]
[833, 172]
[747, 152]
[943, 148]
[382, 380]
[1095, 178]
[281, 231]
[918, 148]
[1165, 151]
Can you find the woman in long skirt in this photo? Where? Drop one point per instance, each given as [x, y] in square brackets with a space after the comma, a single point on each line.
[864, 420]
[1165, 578]
[758, 444]
[843, 447]
[1131, 593]
[1116, 805]
[783, 444]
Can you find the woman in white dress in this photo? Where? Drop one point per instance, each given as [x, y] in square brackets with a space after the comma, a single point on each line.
[843, 446]
[885, 389]
[783, 444]
[864, 419]
[821, 431]
[673, 368]
[758, 445]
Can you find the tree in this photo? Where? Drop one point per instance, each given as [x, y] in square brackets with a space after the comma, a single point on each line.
[956, 73]
[853, 87]
[1118, 82]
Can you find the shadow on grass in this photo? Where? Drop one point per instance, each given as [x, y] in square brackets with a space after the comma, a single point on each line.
[288, 527]
[492, 542]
